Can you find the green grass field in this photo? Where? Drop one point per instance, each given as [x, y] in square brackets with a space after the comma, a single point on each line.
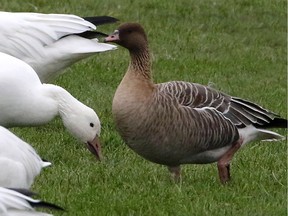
[239, 45]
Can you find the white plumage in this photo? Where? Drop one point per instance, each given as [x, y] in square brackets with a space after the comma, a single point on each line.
[25, 101]
[19, 162]
[47, 42]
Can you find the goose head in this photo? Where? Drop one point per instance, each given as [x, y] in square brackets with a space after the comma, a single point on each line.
[129, 35]
[83, 123]
[80, 120]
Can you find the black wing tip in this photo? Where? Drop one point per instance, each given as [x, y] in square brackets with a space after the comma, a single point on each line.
[280, 122]
[101, 20]
[275, 123]
[43, 204]
[92, 34]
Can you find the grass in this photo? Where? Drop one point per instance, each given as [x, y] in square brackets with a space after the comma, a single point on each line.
[240, 46]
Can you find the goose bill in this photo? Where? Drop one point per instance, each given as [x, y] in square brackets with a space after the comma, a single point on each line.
[112, 37]
[95, 147]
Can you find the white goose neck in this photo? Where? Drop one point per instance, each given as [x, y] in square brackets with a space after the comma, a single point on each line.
[66, 102]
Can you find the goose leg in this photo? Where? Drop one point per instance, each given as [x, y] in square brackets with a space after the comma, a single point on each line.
[175, 172]
[224, 162]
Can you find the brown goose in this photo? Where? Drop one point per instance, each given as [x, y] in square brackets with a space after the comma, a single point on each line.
[178, 122]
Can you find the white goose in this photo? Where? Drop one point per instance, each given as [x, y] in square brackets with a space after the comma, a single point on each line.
[25, 101]
[50, 42]
[17, 202]
[19, 162]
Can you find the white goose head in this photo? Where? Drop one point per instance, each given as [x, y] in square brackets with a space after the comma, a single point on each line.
[83, 123]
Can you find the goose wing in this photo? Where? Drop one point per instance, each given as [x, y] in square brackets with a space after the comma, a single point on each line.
[241, 112]
[197, 127]
[50, 42]
[14, 202]
[25, 34]
[19, 162]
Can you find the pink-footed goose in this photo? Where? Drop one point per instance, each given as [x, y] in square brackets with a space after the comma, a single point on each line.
[178, 122]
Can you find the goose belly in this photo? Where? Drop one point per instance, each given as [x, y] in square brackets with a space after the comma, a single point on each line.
[209, 156]
[163, 153]
[176, 144]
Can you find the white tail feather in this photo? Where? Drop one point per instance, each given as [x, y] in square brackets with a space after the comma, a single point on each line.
[46, 164]
[251, 133]
[270, 135]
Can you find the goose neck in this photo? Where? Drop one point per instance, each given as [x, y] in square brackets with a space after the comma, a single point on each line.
[63, 98]
[140, 62]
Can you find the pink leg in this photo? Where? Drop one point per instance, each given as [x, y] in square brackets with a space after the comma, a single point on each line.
[224, 162]
[175, 173]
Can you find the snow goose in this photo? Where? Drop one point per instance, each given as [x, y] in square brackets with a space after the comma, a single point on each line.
[178, 122]
[25, 101]
[19, 162]
[50, 42]
[18, 202]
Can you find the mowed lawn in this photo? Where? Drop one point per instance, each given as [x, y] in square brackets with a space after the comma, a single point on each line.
[238, 46]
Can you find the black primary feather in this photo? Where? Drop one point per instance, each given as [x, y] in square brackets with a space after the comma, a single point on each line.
[275, 123]
[92, 34]
[100, 20]
[43, 204]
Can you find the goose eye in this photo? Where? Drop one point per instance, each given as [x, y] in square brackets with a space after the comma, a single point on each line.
[91, 125]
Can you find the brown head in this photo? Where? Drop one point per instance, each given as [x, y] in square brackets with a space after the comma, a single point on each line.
[129, 35]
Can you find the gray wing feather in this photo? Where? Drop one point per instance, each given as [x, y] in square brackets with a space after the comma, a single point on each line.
[240, 112]
[202, 126]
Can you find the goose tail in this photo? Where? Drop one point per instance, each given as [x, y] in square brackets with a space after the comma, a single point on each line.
[46, 163]
[251, 133]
